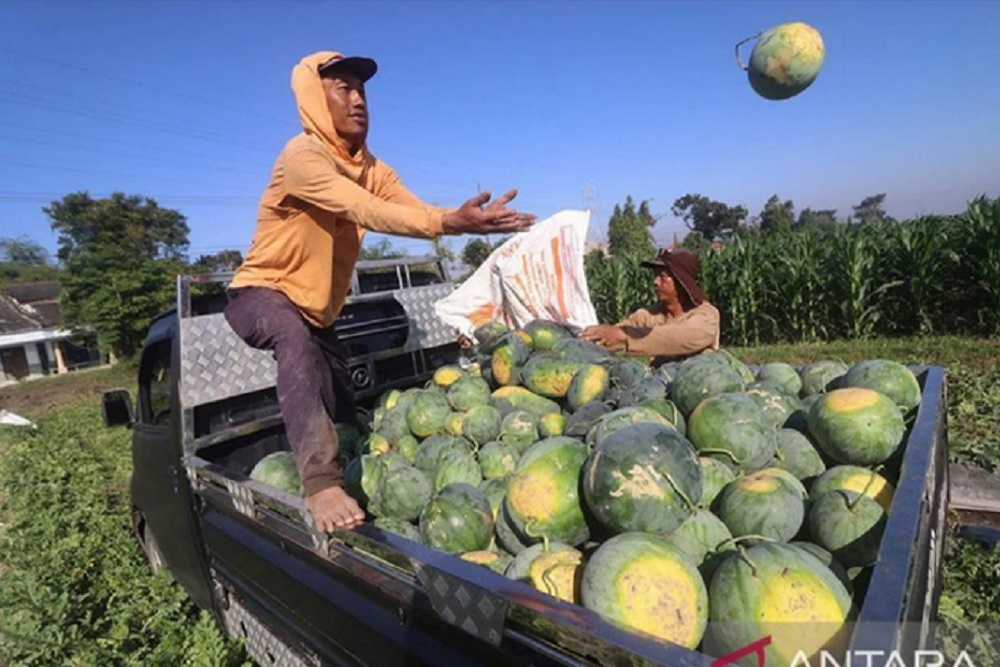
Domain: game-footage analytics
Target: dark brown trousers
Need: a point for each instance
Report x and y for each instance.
(314, 385)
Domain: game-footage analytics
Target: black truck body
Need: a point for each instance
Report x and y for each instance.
(206, 413)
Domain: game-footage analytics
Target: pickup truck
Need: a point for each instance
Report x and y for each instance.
(206, 412)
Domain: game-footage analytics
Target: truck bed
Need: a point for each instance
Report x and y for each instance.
(381, 599)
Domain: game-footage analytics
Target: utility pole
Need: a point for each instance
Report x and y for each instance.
(590, 197)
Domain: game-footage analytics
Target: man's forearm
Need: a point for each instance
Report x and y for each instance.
(666, 340)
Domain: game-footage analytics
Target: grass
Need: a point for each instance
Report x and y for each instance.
(79, 592)
(74, 585)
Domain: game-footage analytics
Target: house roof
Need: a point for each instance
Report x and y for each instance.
(32, 292)
(37, 301)
(47, 314)
(14, 319)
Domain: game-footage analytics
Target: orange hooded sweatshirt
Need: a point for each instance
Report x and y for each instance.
(317, 206)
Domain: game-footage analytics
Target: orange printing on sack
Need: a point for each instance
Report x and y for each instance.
(557, 261)
(482, 315)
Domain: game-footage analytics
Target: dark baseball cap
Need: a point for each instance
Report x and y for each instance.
(361, 67)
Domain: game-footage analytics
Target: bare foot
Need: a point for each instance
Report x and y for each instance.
(333, 508)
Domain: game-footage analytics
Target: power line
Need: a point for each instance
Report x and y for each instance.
(134, 123)
(119, 142)
(117, 108)
(147, 157)
(92, 172)
(188, 200)
(137, 84)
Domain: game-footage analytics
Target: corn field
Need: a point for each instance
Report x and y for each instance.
(926, 276)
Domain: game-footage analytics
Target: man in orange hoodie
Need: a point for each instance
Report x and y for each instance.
(325, 191)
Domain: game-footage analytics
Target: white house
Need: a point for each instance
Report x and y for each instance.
(33, 341)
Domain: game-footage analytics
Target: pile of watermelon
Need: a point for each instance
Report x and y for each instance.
(703, 503)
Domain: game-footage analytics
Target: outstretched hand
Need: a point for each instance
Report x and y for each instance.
(606, 335)
(476, 217)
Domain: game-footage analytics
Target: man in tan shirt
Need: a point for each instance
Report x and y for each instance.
(682, 323)
(326, 190)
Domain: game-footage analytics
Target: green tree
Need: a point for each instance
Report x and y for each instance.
(443, 249)
(476, 251)
(381, 249)
(628, 230)
(871, 210)
(708, 217)
(22, 250)
(219, 262)
(820, 218)
(121, 256)
(777, 216)
(24, 261)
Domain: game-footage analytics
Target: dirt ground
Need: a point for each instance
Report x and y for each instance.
(33, 397)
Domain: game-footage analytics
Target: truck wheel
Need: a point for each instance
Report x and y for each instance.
(152, 550)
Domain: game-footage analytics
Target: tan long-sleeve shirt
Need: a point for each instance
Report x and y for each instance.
(317, 206)
(652, 332)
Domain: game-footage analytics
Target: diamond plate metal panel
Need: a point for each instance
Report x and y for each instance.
(242, 498)
(217, 364)
(426, 328)
(465, 606)
(262, 645)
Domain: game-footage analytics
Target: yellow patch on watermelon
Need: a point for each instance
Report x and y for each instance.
(453, 423)
(799, 612)
(557, 573)
(552, 424)
(447, 375)
(502, 366)
(378, 444)
(656, 595)
(594, 382)
(881, 491)
(640, 482)
(555, 383)
(759, 483)
(481, 557)
(526, 337)
(851, 399)
(533, 495)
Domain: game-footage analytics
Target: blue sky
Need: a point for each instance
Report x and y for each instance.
(577, 104)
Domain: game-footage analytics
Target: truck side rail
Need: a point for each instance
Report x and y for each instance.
(905, 587)
(408, 580)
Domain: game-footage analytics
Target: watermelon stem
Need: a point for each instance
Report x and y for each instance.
(551, 587)
(529, 530)
(864, 492)
(728, 453)
(735, 541)
(677, 489)
(741, 43)
(743, 555)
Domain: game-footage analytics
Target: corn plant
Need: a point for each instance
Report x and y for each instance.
(982, 229)
(920, 255)
(929, 275)
(799, 284)
(618, 287)
(858, 278)
(739, 273)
